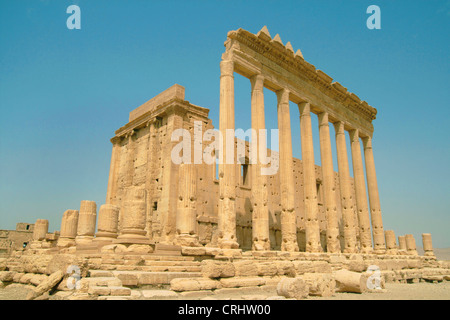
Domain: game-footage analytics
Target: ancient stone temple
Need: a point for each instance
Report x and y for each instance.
(191, 206)
(300, 207)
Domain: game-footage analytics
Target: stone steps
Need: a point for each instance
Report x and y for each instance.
(150, 268)
(142, 278)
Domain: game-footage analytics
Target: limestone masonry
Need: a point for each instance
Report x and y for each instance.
(202, 229)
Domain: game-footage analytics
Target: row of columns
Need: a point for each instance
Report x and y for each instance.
(227, 178)
(78, 226)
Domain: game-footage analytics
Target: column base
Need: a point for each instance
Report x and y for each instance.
(187, 240)
(392, 252)
(379, 251)
(261, 245)
(84, 240)
(228, 244)
(66, 242)
(289, 245)
(102, 241)
(130, 236)
(366, 250)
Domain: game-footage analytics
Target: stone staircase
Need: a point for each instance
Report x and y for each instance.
(147, 270)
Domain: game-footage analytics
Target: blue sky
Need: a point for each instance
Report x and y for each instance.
(64, 92)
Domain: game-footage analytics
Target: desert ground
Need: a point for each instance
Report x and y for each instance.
(393, 291)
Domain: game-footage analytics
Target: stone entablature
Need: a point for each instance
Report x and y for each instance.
(283, 69)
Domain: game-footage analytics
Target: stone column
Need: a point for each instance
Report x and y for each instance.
(113, 171)
(411, 245)
(150, 179)
(260, 213)
(402, 243)
(69, 225)
(227, 169)
(288, 218)
(108, 221)
(374, 198)
(346, 192)
(187, 230)
(329, 186)
(127, 169)
(86, 222)
(133, 217)
(167, 206)
(427, 244)
(361, 195)
(40, 229)
(391, 243)
(309, 181)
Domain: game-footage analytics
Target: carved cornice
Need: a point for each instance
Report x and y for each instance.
(175, 105)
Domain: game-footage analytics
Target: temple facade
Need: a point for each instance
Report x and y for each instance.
(302, 207)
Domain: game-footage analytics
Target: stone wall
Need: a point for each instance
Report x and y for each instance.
(15, 239)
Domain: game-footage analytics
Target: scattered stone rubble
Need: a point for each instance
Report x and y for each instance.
(118, 272)
(178, 232)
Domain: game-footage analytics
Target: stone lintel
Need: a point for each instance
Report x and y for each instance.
(282, 69)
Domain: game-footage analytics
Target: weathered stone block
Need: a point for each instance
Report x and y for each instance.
(185, 285)
(320, 284)
(293, 288)
(242, 282)
(217, 269)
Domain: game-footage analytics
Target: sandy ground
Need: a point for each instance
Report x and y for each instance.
(394, 291)
(400, 291)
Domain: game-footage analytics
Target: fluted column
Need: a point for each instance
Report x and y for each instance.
(329, 185)
(309, 180)
(150, 175)
(69, 225)
(113, 171)
(374, 198)
(260, 213)
(360, 192)
(187, 233)
(134, 217)
(227, 173)
(346, 192)
(128, 172)
(288, 218)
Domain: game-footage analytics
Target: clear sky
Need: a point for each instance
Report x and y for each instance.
(64, 92)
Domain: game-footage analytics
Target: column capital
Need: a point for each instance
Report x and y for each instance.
(227, 68)
(367, 142)
(283, 95)
(354, 135)
(339, 127)
(257, 82)
(304, 108)
(323, 119)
